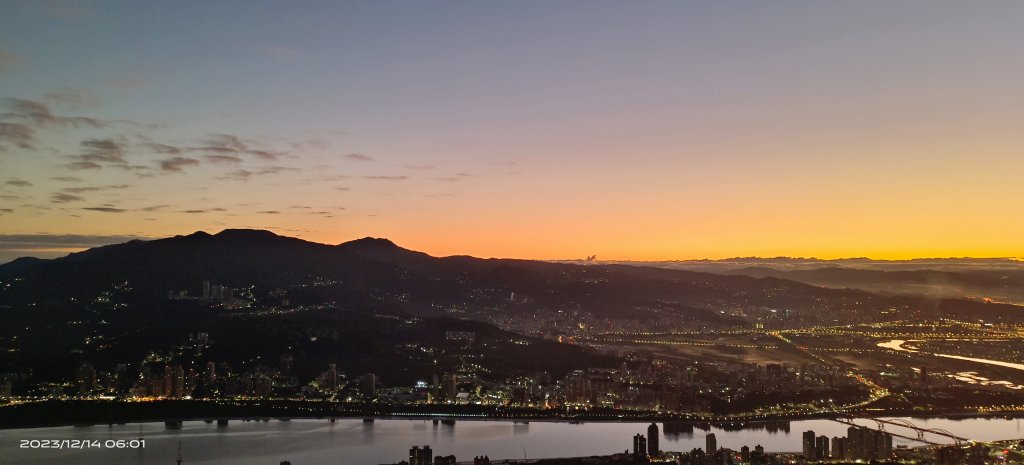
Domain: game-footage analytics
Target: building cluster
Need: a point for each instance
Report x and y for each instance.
(424, 456)
(859, 444)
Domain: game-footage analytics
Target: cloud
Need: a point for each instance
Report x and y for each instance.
(269, 212)
(222, 159)
(79, 190)
(18, 183)
(244, 175)
(358, 157)
(127, 83)
(310, 144)
(99, 152)
(67, 178)
(105, 209)
(18, 134)
(455, 178)
(177, 163)
(264, 154)
(9, 60)
(83, 165)
(61, 197)
(154, 208)
(102, 151)
(227, 140)
(230, 145)
(73, 98)
(50, 245)
(208, 210)
(39, 114)
(342, 188)
(386, 178)
(6, 210)
(162, 148)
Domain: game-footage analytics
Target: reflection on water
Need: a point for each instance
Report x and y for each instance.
(388, 441)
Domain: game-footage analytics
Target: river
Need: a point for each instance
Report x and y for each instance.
(897, 344)
(318, 442)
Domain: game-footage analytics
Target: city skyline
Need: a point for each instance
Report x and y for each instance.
(634, 132)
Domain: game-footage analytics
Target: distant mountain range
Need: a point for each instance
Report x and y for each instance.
(999, 279)
(378, 272)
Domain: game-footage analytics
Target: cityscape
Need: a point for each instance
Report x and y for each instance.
(554, 233)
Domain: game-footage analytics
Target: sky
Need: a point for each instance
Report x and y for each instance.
(647, 130)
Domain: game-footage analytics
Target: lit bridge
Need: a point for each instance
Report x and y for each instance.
(920, 431)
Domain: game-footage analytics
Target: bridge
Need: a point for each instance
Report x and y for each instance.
(921, 431)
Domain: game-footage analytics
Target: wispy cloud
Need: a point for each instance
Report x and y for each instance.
(18, 183)
(67, 178)
(358, 157)
(38, 113)
(61, 197)
(162, 148)
(386, 178)
(222, 159)
(177, 163)
(18, 134)
(9, 60)
(105, 209)
(83, 189)
(244, 174)
(50, 245)
(231, 145)
(456, 177)
(73, 99)
(102, 151)
(83, 165)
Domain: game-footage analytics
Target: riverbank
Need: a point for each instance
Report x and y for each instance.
(50, 413)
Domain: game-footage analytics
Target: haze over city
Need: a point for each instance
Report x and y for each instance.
(634, 131)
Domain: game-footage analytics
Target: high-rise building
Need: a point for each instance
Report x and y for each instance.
(821, 448)
(868, 445)
(883, 445)
(639, 445)
(420, 456)
(368, 385)
(838, 447)
(332, 376)
(652, 439)
(711, 443)
(809, 446)
(745, 454)
(854, 444)
(450, 383)
(85, 379)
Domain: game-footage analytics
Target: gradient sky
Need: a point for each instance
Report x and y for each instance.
(630, 130)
